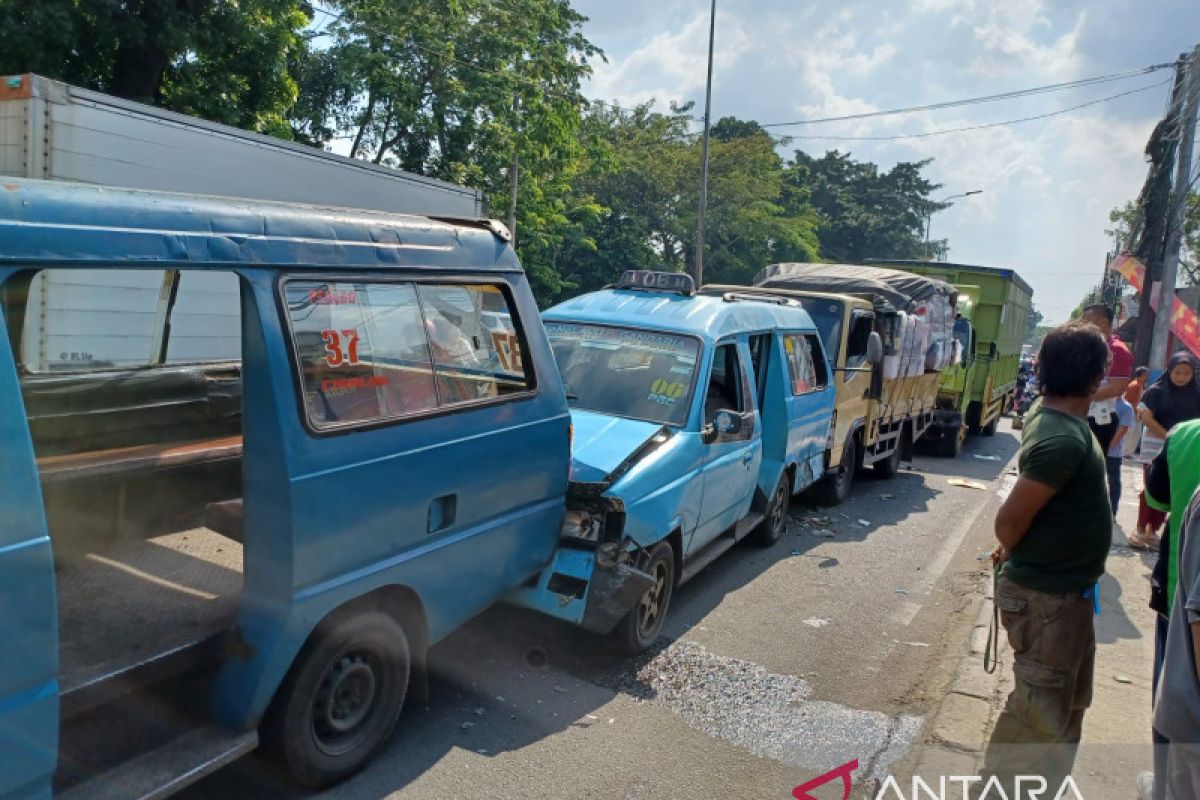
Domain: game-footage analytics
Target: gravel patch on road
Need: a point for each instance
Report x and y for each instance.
(772, 716)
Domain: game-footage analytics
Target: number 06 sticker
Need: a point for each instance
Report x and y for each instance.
(665, 388)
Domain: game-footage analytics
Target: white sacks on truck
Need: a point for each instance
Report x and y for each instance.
(934, 334)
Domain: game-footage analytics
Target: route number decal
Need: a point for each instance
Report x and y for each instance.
(508, 351)
(334, 354)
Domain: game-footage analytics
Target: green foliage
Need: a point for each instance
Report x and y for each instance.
(225, 61)
(486, 93)
(866, 213)
(1032, 324)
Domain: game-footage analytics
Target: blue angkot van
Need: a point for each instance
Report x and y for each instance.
(696, 419)
(257, 458)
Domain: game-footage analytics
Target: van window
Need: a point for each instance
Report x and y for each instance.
(81, 320)
(376, 351)
(805, 364)
(726, 383)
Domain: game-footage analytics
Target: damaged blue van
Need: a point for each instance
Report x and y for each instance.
(696, 419)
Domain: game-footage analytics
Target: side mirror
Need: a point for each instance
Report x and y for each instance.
(724, 423)
(874, 349)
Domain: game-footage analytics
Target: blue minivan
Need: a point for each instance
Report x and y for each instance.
(256, 459)
(696, 419)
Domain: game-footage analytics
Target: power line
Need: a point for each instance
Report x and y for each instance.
(984, 125)
(991, 98)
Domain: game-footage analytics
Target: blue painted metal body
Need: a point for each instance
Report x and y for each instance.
(684, 485)
(328, 518)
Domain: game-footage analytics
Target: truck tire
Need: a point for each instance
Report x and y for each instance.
(951, 443)
(888, 467)
(832, 490)
(637, 631)
(340, 700)
(990, 428)
(771, 528)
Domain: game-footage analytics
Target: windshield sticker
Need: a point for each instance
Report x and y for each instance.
(335, 387)
(649, 340)
(678, 370)
(665, 392)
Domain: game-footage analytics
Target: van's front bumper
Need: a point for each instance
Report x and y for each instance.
(574, 589)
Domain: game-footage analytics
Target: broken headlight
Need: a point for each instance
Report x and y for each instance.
(582, 526)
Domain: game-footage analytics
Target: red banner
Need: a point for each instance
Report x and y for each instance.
(1184, 322)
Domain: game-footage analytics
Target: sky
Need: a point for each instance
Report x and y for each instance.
(1047, 185)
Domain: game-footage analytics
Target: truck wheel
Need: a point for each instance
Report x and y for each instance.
(952, 442)
(832, 490)
(340, 700)
(990, 428)
(640, 627)
(771, 528)
(888, 467)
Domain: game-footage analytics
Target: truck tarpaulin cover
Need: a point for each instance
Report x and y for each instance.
(902, 289)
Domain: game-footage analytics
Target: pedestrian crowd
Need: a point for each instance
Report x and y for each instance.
(1054, 532)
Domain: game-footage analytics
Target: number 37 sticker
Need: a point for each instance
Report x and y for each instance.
(337, 354)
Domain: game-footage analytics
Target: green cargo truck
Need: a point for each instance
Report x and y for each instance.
(993, 306)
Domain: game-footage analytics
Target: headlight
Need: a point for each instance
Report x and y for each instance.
(582, 526)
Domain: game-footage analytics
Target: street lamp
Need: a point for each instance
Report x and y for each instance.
(698, 265)
(929, 216)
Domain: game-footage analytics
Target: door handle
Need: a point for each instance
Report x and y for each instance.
(442, 511)
(748, 456)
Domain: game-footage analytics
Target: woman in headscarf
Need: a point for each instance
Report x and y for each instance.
(1173, 398)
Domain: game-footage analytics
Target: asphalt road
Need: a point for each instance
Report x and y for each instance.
(775, 667)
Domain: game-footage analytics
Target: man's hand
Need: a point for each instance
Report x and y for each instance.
(999, 555)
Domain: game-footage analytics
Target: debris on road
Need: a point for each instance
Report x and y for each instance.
(560, 690)
(816, 622)
(917, 644)
(887, 497)
(967, 484)
(866, 523)
(903, 591)
(982, 457)
(479, 711)
(824, 533)
(1122, 679)
(467, 725)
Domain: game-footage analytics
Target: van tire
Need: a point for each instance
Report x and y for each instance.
(775, 522)
(832, 490)
(639, 629)
(318, 724)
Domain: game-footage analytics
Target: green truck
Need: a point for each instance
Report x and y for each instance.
(993, 307)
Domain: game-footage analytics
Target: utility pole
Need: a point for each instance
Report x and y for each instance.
(1178, 208)
(698, 266)
(1155, 204)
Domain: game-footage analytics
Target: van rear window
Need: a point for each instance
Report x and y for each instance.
(377, 351)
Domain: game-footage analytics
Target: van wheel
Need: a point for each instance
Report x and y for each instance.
(340, 701)
(832, 490)
(641, 626)
(771, 528)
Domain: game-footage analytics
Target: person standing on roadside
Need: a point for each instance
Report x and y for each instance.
(1116, 451)
(1173, 478)
(1133, 396)
(1054, 530)
(1170, 400)
(1102, 412)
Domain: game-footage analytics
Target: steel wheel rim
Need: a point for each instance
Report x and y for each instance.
(345, 702)
(777, 510)
(650, 607)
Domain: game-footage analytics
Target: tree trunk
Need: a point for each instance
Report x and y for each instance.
(384, 143)
(368, 116)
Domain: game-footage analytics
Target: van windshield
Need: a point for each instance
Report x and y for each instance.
(626, 372)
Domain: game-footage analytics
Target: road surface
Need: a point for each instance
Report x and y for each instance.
(776, 666)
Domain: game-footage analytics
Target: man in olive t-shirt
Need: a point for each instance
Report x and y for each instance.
(1054, 530)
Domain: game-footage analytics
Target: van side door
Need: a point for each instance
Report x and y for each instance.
(809, 402)
(436, 441)
(28, 611)
(731, 461)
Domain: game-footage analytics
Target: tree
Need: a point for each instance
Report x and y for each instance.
(481, 92)
(1032, 324)
(1126, 218)
(866, 213)
(228, 62)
